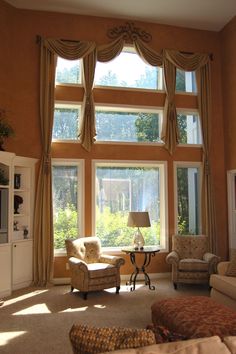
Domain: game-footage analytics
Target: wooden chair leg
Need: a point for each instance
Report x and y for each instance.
(71, 288)
(117, 289)
(175, 286)
(85, 296)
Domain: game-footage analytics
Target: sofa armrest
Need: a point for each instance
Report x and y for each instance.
(77, 264)
(212, 260)
(114, 260)
(172, 258)
(222, 267)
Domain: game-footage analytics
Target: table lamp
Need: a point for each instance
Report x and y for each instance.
(138, 219)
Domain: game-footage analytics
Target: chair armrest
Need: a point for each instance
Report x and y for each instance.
(211, 258)
(172, 258)
(114, 260)
(222, 267)
(77, 264)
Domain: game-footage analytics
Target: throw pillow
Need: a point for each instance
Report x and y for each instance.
(91, 340)
(164, 335)
(231, 270)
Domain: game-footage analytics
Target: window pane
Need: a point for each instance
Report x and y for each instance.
(189, 129)
(188, 200)
(123, 189)
(66, 122)
(127, 126)
(65, 204)
(185, 81)
(68, 71)
(128, 70)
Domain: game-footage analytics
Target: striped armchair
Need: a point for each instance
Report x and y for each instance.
(191, 262)
(90, 269)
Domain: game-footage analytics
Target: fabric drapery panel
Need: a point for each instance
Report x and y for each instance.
(109, 51)
(88, 130)
(169, 132)
(204, 102)
(43, 227)
(70, 50)
(43, 219)
(148, 54)
(187, 61)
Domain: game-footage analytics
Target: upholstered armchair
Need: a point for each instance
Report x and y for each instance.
(90, 269)
(191, 262)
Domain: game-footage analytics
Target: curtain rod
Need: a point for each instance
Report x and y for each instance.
(210, 54)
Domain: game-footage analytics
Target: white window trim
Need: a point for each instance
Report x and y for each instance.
(185, 164)
(187, 111)
(164, 239)
(131, 108)
(131, 49)
(80, 197)
(68, 104)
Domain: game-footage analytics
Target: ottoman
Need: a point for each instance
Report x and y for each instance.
(194, 317)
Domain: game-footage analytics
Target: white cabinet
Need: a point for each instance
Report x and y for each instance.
(16, 221)
(22, 264)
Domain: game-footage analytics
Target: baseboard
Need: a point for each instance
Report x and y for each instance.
(153, 276)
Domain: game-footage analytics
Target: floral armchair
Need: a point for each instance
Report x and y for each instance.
(90, 269)
(191, 262)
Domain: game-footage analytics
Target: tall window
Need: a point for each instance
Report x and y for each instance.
(189, 128)
(128, 70)
(187, 191)
(185, 81)
(128, 124)
(68, 71)
(67, 185)
(66, 121)
(123, 187)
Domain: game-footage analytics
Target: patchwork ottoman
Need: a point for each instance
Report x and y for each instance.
(194, 317)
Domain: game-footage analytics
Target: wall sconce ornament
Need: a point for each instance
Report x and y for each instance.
(129, 32)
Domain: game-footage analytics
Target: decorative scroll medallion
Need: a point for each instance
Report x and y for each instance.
(129, 32)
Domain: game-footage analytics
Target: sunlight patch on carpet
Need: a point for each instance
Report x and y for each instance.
(78, 309)
(5, 337)
(32, 310)
(23, 297)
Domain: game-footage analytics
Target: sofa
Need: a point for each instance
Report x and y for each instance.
(223, 286)
(191, 346)
(87, 339)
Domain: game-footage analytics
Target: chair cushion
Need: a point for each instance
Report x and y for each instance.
(99, 270)
(231, 270)
(191, 264)
(90, 340)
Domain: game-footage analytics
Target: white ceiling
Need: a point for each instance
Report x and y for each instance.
(200, 14)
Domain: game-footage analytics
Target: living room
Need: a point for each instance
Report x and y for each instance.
(20, 96)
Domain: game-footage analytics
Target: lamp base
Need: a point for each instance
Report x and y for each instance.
(138, 240)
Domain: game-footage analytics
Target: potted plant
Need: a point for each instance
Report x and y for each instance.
(5, 128)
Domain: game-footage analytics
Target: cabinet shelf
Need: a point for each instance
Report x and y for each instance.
(4, 186)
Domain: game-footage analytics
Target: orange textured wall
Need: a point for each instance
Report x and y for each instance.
(228, 40)
(19, 95)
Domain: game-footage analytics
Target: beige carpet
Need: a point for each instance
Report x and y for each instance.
(38, 320)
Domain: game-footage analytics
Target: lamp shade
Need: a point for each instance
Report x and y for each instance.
(138, 219)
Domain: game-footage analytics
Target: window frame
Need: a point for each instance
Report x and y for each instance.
(72, 84)
(131, 108)
(80, 163)
(187, 164)
(192, 111)
(162, 165)
(68, 104)
(160, 75)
